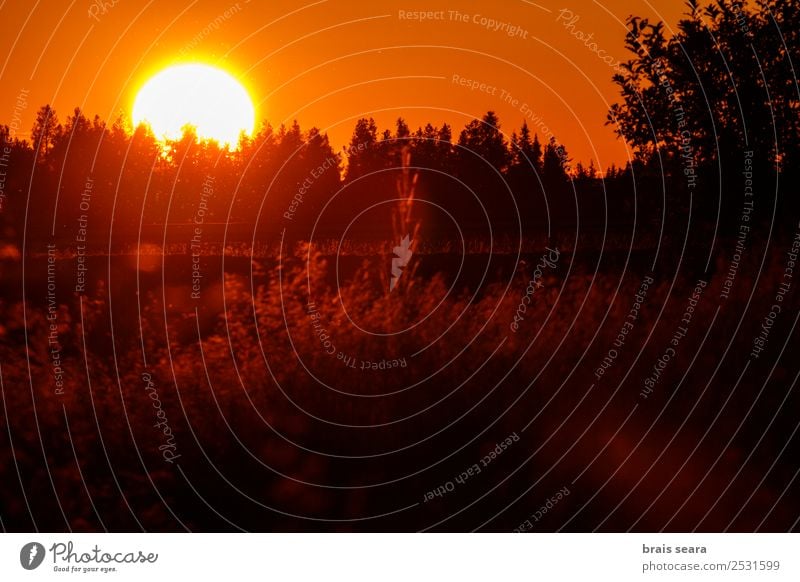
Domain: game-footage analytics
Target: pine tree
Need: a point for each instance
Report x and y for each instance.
(361, 153)
(555, 165)
(484, 139)
(45, 131)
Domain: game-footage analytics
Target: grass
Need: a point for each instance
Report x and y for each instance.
(269, 426)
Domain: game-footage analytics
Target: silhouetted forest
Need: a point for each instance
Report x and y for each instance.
(284, 178)
(691, 108)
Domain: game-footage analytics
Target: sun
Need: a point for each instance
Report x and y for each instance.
(209, 99)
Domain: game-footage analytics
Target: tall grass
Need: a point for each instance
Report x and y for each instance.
(262, 412)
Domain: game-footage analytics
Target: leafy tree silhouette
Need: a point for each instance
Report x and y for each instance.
(723, 83)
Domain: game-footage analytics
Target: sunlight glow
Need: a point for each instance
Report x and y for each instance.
(209, 99)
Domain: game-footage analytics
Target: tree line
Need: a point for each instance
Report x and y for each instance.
(694, 107)
(140, 183)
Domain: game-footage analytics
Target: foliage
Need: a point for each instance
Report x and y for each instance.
(725, 81)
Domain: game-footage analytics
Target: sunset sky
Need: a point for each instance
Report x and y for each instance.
(327, 63)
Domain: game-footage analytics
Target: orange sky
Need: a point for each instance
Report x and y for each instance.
(326, 63)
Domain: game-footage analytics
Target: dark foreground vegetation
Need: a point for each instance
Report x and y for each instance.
(202, 339)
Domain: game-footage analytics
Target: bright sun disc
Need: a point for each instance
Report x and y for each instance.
(203, 96)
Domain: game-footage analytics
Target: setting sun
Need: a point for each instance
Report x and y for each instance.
(205, 97)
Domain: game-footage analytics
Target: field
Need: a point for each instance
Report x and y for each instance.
(496, 388)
